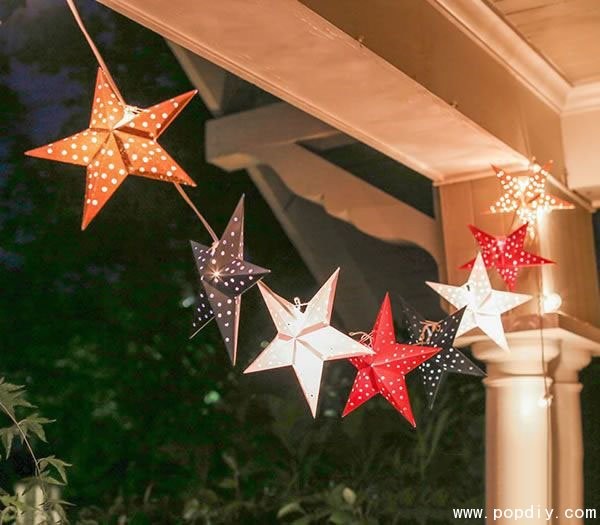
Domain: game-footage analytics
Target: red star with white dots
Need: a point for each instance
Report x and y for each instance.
(505, 253)
(384, 372)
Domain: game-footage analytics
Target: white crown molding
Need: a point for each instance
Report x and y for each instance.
(584, 97)
(487, 29)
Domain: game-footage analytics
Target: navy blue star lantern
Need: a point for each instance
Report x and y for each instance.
(440, 335)
(224, 277)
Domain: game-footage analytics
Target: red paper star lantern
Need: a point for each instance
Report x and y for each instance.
(120, 141)
(384, 372)
(505, 254)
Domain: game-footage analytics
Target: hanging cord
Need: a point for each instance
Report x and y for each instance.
(547, 399)
(365, 338)
(113, 84)
(95, 50)
(427, 330)
(298, 304)
(204, 222)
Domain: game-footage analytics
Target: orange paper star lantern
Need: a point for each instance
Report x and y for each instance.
(120, 141)
(525, 194)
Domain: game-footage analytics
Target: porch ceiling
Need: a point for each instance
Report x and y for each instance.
(565, 32)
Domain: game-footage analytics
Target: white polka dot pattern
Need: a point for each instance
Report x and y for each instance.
(305, 339)
(119, 142)
(385, 371)
(506, 254)
(484, 306)
(525, 194)
(449, 359)
(104, 175)
(224, 277)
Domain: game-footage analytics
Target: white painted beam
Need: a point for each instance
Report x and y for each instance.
(290, 51)
(230, 139)
(350, 199)
(269, 135)
(208, 78)
(320, 245)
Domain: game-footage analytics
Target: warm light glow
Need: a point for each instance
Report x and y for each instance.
(535, 167)
(525, 195)
(484, 305)
(551, 302)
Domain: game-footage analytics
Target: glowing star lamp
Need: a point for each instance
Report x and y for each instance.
(384, 372)
(484, 306)
(525, 195)
(305, 339)
(505, 254)
(224, 277)
(120, 141)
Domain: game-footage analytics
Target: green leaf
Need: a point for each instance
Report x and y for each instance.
(7, 435)
(304, 520)
(44, 477)
(228, 483)
(230, 461)
(58, 464)
(33, 424)
(290, 508)
(11, 397)
(349, 496)
(191, 510)
(208, 497)
(340, 517)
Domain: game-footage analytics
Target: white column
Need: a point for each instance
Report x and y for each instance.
(567, 434)
(518, 432)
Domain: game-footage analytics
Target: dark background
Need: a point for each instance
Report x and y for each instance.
(158, 428)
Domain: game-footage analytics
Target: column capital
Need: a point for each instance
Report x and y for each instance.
(565, 369)
(568, 346)
(525, 357)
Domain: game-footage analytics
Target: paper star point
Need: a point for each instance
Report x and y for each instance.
(305, 339)
(224, 277)
(439, 335)
(505, 253)
(484, 305)
(120, 141)
(384, 372)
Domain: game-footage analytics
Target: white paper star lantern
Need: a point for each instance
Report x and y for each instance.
(484, 305)
(305, 339)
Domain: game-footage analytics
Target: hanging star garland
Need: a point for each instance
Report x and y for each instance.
(305, 339)
(505, 253)
(384, 372)
(224, 277)
(120, 141)
(484, 305)
(525, 194)
(438, 335)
